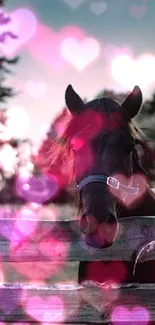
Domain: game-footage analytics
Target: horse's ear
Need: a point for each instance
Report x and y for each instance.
(73, 101)
(133, 102)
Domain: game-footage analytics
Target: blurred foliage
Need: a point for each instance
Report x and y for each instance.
(145, 120)
(6, 92)
(2, 2)
(118, 97)
(4, 20)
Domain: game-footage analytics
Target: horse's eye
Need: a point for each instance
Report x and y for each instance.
(73, 149)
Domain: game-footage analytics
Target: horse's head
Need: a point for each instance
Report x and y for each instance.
(103, 147)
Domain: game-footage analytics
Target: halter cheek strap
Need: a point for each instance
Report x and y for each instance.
(110, 181)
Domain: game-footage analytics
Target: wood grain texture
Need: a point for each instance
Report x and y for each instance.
(62, 241)
(52, 241)
(89, 302)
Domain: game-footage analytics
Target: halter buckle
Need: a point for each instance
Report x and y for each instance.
(113, 182)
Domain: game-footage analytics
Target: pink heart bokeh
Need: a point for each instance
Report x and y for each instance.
(112, 50)
(45, 45)
(36, 189)
(138, 11)
(24, 25)
(109, 272)
(80, 54)
(12, 233)
(121, 315)
(37, 272)
(137, 181)
(140, 71)
(98, 7)
(36, 88)
(23, 224)
(45, 310)
(52, 245)
(54, 248)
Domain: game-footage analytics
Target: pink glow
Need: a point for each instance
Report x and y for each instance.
(36, 188)
(80, 54)
(112, 50)
(45, 310)
(45, 46)
(23, 24)
(23, 225)
(121, 314)
(54, 248)
(112, 272)
(139, 71)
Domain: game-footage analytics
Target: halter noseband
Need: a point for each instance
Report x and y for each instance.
(110, 181)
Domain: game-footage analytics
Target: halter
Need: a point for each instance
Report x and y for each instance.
(110, 181)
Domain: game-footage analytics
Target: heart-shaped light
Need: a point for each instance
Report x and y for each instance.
(134, 181)
(128, 71)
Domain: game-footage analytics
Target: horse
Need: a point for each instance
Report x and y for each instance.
(98, 143)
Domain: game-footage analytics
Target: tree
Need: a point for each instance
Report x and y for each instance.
(5, 92)
(8, 145)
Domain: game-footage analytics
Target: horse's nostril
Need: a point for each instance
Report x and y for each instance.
(96, 243)
(103, 237)
(93, 240)
(88, 224)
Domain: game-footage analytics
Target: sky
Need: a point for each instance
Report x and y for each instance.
(92, 45)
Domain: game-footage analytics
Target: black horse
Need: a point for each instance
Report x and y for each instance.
(115, 153)
(101, 140)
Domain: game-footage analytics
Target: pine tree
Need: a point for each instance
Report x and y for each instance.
(5, 92)
(6, 180)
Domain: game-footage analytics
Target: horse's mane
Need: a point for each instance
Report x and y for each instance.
(145, 151)
(55, 154)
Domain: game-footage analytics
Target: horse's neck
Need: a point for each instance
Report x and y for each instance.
(146, 206)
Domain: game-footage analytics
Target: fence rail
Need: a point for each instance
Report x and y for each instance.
(57, 241)
(32, 240)
(86, 303)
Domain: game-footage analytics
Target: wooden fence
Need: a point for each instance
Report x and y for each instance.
(59, 242)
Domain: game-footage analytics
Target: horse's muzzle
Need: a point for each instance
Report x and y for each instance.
(100, 235)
